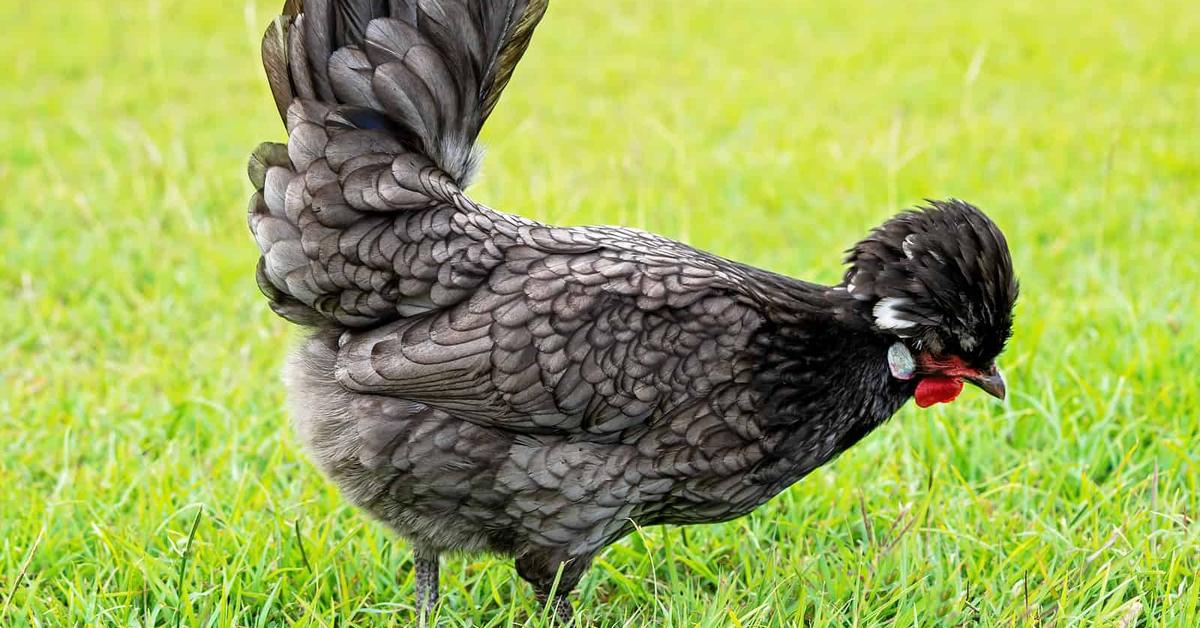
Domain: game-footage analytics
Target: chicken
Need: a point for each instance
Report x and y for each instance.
(481, 382)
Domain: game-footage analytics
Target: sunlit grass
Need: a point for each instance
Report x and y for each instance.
(140, 365)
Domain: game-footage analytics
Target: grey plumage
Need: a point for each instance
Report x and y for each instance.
(482, 382)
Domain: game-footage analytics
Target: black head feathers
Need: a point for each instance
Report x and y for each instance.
(940, 275)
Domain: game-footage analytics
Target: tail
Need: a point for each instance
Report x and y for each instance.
(383, 102)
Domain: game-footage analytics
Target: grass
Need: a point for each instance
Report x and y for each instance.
(149, 474)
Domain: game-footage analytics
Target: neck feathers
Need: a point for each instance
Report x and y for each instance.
(825, 385)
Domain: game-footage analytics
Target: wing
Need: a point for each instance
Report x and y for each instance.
(383, 102)
(363, 224)
(582, 331)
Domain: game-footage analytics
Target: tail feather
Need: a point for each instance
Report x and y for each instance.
(435, 68)
(383, 101)
(275, 63)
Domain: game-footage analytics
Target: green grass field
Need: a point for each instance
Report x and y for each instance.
(149, 474)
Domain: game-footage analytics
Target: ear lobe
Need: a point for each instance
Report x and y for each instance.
(900, 362)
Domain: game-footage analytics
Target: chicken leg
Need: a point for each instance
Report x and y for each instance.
(425, 584)
(552, 573)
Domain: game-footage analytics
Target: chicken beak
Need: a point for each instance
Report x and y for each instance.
(990, 382)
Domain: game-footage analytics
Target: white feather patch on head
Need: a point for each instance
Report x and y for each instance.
(851, 288)
(888, 315)
(907, 245)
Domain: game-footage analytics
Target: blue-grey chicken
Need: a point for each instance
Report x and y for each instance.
(480, 382)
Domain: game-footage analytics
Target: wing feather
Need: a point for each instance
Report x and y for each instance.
(521, 356)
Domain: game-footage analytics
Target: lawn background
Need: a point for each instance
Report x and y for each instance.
(140, 365)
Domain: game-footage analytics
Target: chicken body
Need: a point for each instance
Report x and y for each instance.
(481, 382)
(574, 394)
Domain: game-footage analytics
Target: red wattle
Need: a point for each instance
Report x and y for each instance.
(931, 390)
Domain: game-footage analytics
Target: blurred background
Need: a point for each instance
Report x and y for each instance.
(150, 475)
